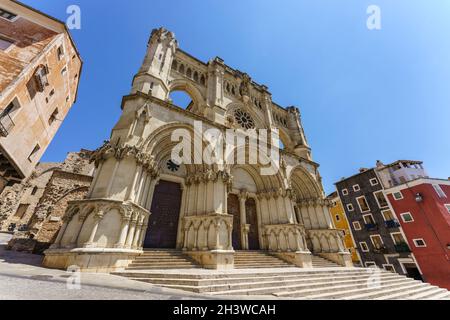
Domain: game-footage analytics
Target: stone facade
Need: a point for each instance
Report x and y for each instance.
(140, 198)
(37, 205)
(39, 74)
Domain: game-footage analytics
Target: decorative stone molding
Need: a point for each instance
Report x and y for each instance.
(327, 241)
(285, 237)
(207, 232)
(84, 217)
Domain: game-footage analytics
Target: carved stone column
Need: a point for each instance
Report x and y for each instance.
(243, 215)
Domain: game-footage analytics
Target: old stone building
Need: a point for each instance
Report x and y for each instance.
(39, 74)
(142, 198)
(34, 208)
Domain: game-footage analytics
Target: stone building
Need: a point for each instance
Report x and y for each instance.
(39, 74)
(142, 198)
(34, 208)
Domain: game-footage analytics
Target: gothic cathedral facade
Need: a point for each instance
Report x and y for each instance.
(140, 198)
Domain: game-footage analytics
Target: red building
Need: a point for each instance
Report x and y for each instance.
(422, 207)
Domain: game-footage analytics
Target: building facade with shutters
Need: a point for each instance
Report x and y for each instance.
(142, 198)
(377, 233)
(423, 208)
(39, 74)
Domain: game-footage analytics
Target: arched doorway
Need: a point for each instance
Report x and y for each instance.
(165, 213)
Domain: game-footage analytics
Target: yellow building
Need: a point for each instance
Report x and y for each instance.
(340, 222)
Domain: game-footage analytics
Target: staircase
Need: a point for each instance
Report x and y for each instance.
(257, 259)
(319, 262)
(162, 259)
(295, 283)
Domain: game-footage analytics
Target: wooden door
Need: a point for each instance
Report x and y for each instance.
(233, 209)
(252, 220)
(163, 222)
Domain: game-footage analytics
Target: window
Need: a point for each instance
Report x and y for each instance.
(397, 195)
(370, 264)
(33, 153)
(377, 241)
(6, 117)
(33, 192)
(397, 237)
(10, 108)
(64, 71)
(407, 217)
(41, 77)
(439, 191)
(381, 199)
(5, 43)
(419, 243)
(373, 181)
(387, 215)
(7, 15)
(368, 219)
(362, 203)
(338, 218)
(60, 52)
(350, 207)
(53, 117)
(344, 192)
(447, 206)
(21, 210)
(364, 247)
(389, 267)
(356, 225)
(356, 187)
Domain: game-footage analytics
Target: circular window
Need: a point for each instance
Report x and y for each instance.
(244, 119)
(172, 166)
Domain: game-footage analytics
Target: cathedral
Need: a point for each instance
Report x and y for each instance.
(141, 199)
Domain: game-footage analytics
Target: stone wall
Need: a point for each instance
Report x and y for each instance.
(45, 196)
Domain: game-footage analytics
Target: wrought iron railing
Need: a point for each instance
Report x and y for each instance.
(6, 124)
(402, 247)
(371, 226)
(392, 223)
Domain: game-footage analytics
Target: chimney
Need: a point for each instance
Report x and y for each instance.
(380, 164)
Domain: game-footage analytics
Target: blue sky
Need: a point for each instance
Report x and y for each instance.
(364, 95)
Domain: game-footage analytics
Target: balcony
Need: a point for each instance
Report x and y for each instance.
(402, 247)
(381, 249)
(6, 124)
(371, 226)
(391, 223)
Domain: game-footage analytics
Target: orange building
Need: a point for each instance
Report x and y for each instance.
(340, 222)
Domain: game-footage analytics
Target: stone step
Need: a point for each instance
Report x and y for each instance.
(335, 290)
(255, 276)
(380, 292)
(292, 290)
(214, 286)
(162, 267)
(440, 296)
(311, 272)
(163, 261)
(424, 291)
(364, 293)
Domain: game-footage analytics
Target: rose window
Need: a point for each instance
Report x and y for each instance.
(244, 119)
